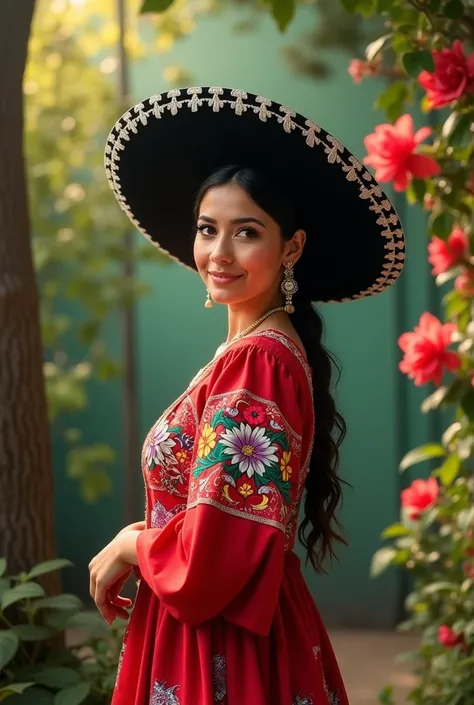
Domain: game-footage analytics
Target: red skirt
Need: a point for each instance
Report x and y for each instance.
(166, 662)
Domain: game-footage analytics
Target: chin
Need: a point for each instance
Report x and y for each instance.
(224, 299)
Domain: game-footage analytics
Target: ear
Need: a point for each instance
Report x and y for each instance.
(294, 247)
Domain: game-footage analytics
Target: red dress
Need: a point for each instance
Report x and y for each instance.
(222, 613)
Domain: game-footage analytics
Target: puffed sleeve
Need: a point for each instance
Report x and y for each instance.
(224, 554)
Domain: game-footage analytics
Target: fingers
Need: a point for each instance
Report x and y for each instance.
(136, 526)
(119, 601)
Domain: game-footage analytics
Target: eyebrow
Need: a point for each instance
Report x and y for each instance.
(235, 221)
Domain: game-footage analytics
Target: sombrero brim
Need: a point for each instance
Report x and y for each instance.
(162, 149)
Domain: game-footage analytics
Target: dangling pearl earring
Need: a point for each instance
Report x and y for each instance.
(208, 303)
(289, 287)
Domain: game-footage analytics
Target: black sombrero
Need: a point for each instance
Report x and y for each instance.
(162, 149)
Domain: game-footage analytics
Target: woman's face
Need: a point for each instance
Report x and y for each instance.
(238, 249)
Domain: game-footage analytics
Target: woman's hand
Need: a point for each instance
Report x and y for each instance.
(110, 570)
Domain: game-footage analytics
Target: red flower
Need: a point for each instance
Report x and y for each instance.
(468, 568)
(453, 76)
(255, 415)
(448, 638)
(465, 284)
(391, 151)
(420, 496)
(444, 255)
(426, 351)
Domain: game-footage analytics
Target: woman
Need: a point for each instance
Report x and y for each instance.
(222, 613)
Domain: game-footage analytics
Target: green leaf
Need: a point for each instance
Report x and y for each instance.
(376, 46)
(453, 9)
(57, 677)
(49, 567)
(467, 404)
(13, 689)
(392, 100)
(283, 11)
(416, 191)
(418, 455)
(60, 602)
(58, 619)
(4, 586)
(9, 643)
(280, 438)
(366, 7)
(434, 5)
(90, 622)
(32, 632)
(74, 695)
(416, 61)
(157, 6)
(394, 531)
(34, 696)
(449, 470)
(381, 560)
(401, 44)
(350, 5)
(3, 566)
(395, 93)
(461, 130)
(27, 591)
(385, 697)
(383, 5)
(441, 224)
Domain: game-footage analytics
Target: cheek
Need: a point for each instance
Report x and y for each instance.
(261, 262)
(200, 255)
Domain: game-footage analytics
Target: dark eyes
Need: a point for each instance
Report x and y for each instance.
(209, 231)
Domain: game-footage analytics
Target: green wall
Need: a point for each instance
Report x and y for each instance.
(176, 334)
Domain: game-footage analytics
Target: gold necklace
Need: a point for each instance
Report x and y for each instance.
(248, 330)
(223, 346)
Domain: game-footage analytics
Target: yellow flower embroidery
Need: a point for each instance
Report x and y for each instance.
(207, 441)
(285, 465)
(181, 456)
(245, 490)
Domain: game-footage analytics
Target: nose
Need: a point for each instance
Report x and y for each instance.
(222, 250)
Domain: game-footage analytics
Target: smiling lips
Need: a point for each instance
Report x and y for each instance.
(223, 278)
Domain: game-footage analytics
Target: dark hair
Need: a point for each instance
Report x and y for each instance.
(323, 486)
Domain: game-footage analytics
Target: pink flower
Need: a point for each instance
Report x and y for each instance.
(420, 496)
(453, 76)
(426, 352)
(255, 415)
(428, 202)
(359, 69)
(446, 254)
(391, 151)
(465, 284)
(447, 637)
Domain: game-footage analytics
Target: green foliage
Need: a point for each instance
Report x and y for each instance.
(78, 231)
(283, 11)
(434, 539)
(155, 6)
(36, 666)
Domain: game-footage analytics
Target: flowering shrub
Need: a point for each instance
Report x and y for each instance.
(427, 51)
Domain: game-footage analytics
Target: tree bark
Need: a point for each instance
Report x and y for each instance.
(26, 481)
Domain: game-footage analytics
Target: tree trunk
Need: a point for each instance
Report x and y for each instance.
(26, 482)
